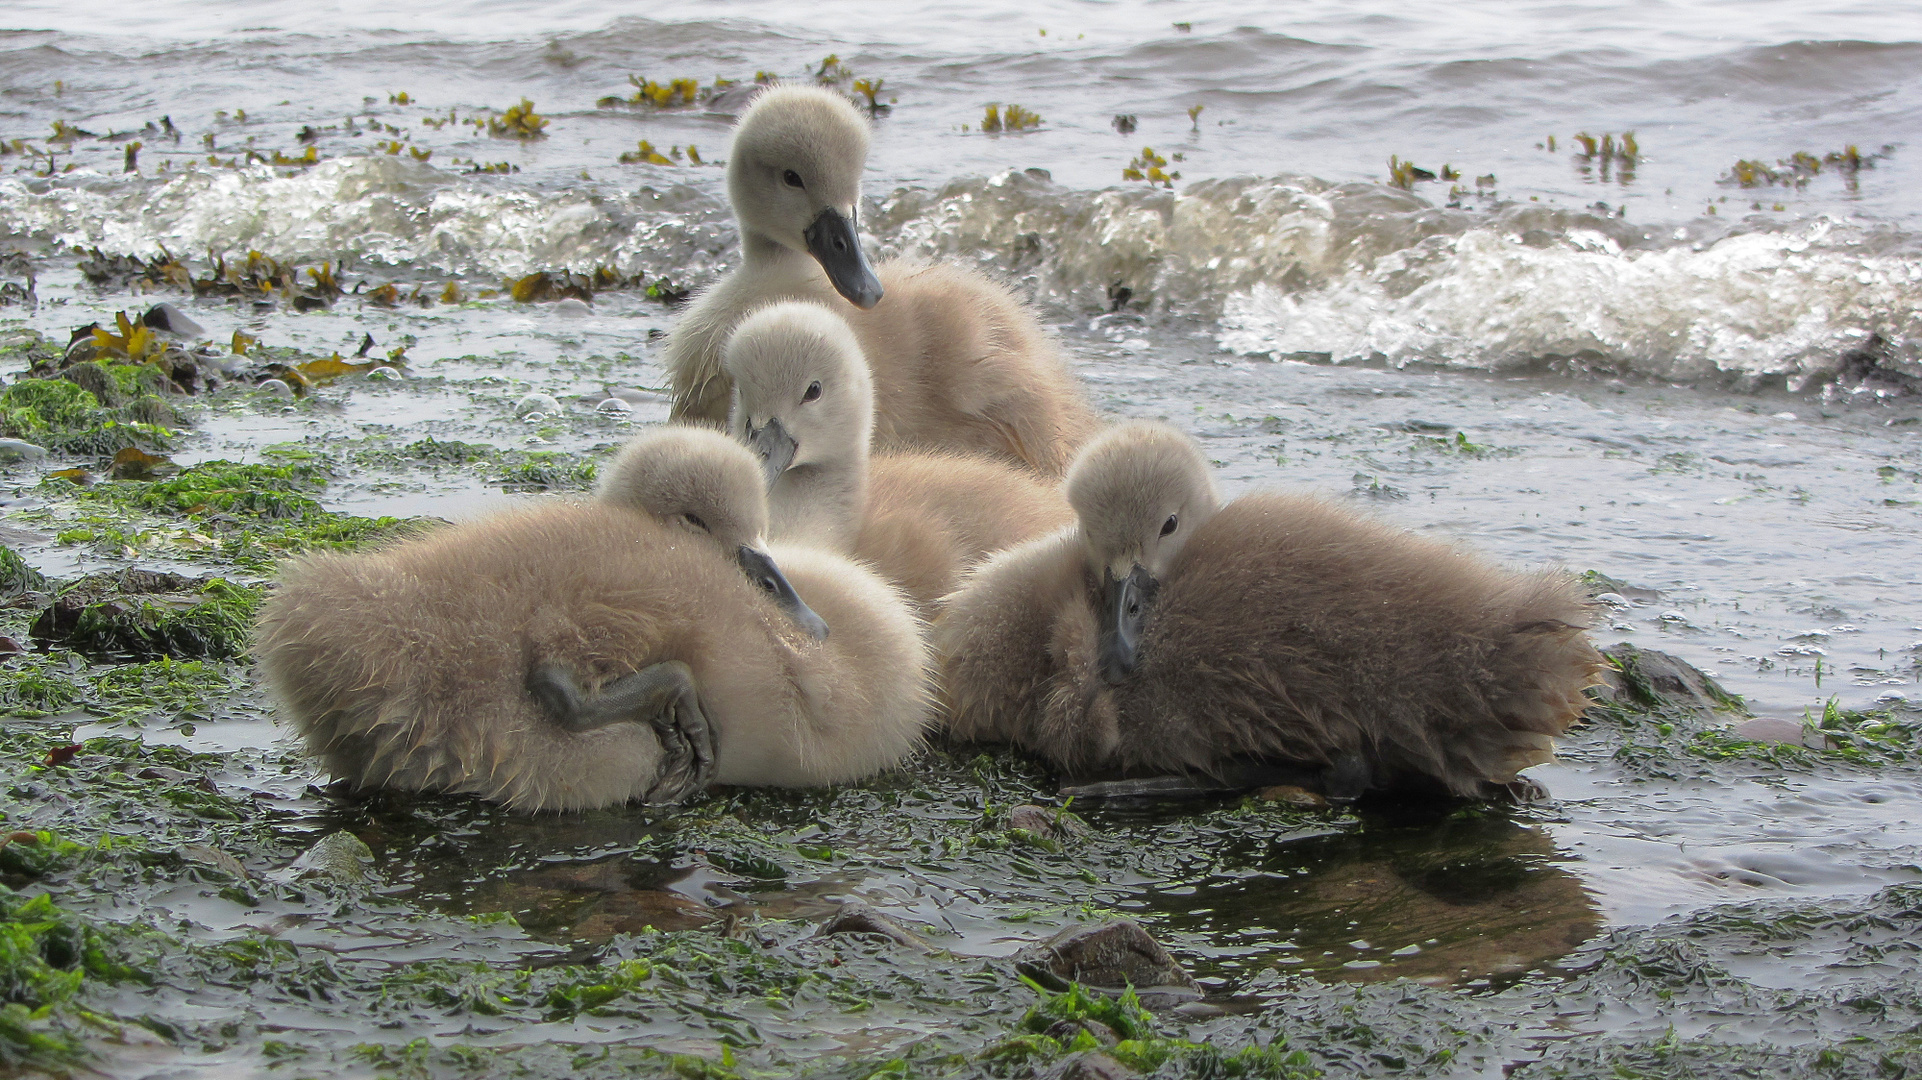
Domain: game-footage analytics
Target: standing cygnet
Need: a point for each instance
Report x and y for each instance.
(804, 402)
(958, 363)
(570, 656)
(1165, 633)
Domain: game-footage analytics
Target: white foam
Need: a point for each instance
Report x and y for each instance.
(1783, 304)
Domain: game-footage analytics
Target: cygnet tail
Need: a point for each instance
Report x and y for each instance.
(1545, 667)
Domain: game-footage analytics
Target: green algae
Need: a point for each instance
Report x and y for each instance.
(142, 615)
(16, 576)
(62, 416)
(243, 515)
(511, 469)
(47, 959)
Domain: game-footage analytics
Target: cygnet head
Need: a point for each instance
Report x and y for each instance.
(794, 177)
(803, 395)
(701, 481)
(1140, 490)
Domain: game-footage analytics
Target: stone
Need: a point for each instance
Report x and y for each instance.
(1646, 678)
(1113, 955)
(1045, 823)
(632, 910)
(855, 917)
(170, 319)
(1088, 1065)
(1770, 729)
(341, 856)
(12, 450)
(1293, 796)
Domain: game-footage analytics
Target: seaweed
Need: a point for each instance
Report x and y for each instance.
(220, 511)
(1013, 118)
(146, 615)
(1799, 168)
(518, 122)
(62, 416)
(1150, 166)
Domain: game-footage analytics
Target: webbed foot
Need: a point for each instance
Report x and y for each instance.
(662, 696)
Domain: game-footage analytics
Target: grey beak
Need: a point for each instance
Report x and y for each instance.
(760, 569)
(774, 446)
(1124, 609)
(835, 245)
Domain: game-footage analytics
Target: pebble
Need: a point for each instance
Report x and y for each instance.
(1293, 796)
(1043, 822)
(1771, 729)
(1089, 1065)
(20, 450)
(1112, 954)
(338, 855)
(855, 917)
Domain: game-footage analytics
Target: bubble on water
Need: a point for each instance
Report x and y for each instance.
(537, 407)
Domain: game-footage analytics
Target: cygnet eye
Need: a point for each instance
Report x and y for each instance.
(792, 179)
(1168, 526)
(813, 391)
(695, 520)
(768, 584)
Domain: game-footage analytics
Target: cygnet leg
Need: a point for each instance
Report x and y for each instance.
(662, 696)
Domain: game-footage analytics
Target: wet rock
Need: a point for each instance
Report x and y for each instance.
(1047, 824)
(178, 776)
(1646, 679)
(153, 410)
(8, 646)
(1113, 955)
(147, 614)
(1293, 796)
(634, 910)
(1873, 366)
(1067, 1031)
(1088, 1065)
(341, 856)
(855, 917)
(214, 857)
(134, 463)
(170, 319)
(1769, 729)
(96, 380)
(12, 450)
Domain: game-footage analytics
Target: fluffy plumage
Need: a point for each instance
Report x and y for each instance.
(409, 667)
(959, 364)
(1279, 627)
(804, 399)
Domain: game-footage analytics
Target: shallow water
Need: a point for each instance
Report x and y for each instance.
(1576, 364)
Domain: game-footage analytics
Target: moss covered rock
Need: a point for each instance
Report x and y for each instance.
(144, 614)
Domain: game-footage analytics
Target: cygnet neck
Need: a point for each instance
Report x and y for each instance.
(823, 504)
(764, 256)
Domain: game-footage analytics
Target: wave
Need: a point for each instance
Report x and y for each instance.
(1282, 266)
